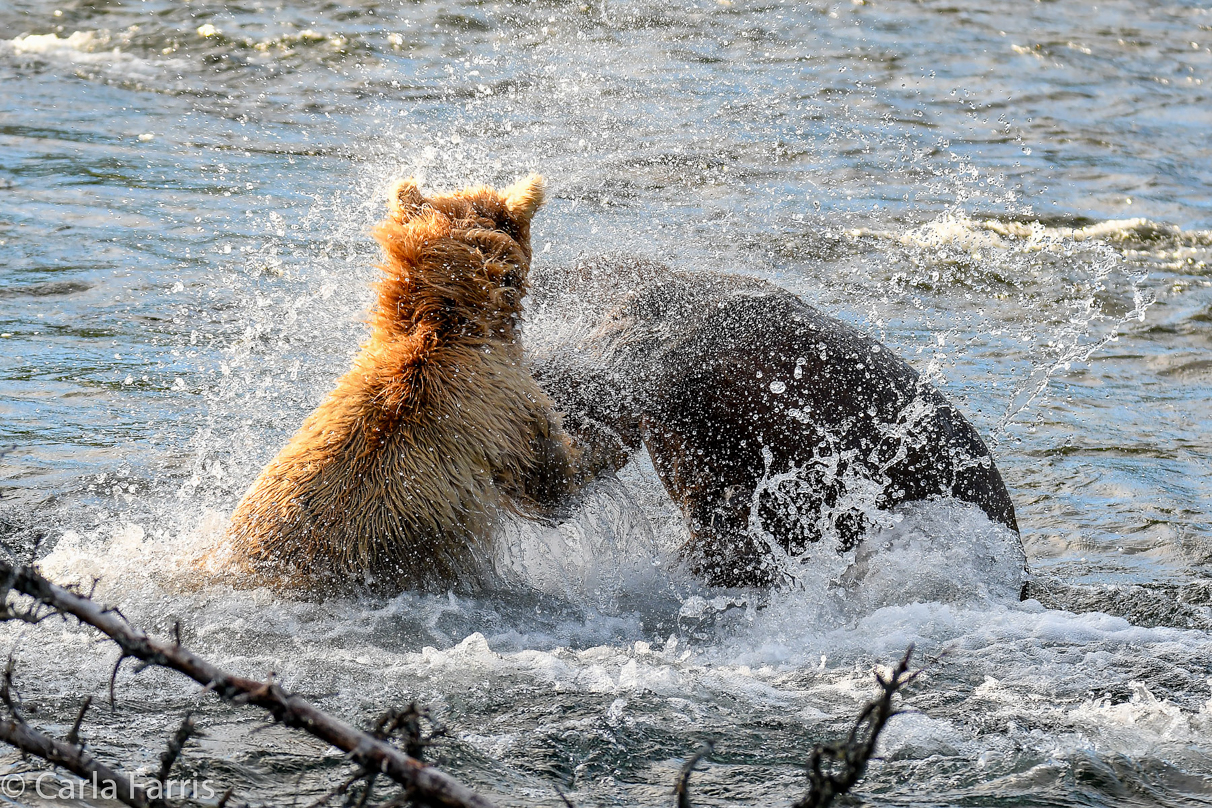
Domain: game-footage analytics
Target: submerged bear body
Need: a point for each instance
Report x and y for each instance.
(769, 423)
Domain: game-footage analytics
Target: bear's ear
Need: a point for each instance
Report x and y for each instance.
(524, 197)
(404, 200)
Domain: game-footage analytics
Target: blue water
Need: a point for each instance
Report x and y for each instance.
(1013, 196)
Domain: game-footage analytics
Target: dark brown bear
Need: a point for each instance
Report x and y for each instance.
(770, 424)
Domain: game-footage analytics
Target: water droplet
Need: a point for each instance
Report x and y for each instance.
(778, 387)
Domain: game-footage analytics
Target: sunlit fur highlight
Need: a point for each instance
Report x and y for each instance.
(397, 478)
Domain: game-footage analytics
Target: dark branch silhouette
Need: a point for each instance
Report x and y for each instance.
(73, 737)
(426, 785)
(681, 789)
(74, 759)
(176, 743)
(833, 769)
(69, 755)
(851, 756)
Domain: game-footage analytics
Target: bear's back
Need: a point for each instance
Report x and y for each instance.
(402, 495)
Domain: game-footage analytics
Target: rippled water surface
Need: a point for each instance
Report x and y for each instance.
(1013, 196)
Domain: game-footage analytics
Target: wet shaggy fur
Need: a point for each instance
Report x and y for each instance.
(397, 477)
(769, 423)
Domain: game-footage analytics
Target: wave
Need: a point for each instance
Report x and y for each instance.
(957, 230)
(85, 50)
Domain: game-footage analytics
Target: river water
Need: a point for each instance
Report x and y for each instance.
(1012, 196)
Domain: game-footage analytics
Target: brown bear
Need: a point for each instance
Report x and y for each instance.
(769, 423)
(397, 478)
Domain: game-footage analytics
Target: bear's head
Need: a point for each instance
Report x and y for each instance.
(456, 262)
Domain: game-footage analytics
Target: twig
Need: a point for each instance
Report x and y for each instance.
(8, 693)
(73, 758)
(427, 785)
(7, 612)
(73, 737)
(682, 788)
(370, 786)
(113, 678)
(858, 748)
(408, 722)
(36, 544)
(187, 730)
(341, 788)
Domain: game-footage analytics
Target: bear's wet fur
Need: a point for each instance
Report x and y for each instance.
(396, 480)
(731, 383)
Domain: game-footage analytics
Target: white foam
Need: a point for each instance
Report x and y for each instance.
(608, 546)
(957, 230)
(83, 49)
(946, 551)
(914, 736)
(1142, 723)
(940, 578)
(614, 618)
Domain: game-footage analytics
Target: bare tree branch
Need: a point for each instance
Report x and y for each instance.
(681, 788)
(113, 680)
(71, 755)
(9, 696)
(74, 759)
(407, 722)
(425, 784)
(853, 754)
(176, 743)
(366, 792)
(340, 788)
(73, 737)
(7, 612)
(833, 769)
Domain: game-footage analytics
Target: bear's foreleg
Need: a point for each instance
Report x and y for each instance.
(603, 424)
